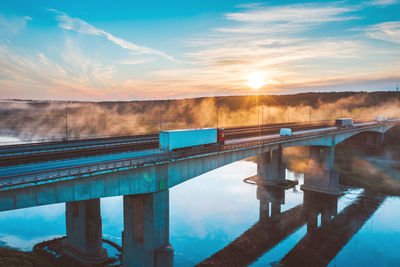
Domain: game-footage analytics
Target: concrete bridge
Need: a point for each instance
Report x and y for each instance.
(144, 177)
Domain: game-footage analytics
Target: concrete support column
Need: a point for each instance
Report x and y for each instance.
(380, 138)
(270, 168)
(374, 140)
(145, 239)
(84, 233)
(321, 175)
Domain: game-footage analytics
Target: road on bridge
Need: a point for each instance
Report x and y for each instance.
(29, 172)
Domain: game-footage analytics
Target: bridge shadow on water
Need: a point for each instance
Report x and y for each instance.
(322, 242)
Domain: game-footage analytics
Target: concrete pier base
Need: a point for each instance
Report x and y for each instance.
(321, 176)
(84, 233)
(145, 239)
(270, 169)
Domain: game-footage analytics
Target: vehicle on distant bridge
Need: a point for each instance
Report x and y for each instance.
(188, 138)
(286, 132)
(344, 123)
(381, 118)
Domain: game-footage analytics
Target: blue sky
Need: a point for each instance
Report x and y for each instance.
(125, 50)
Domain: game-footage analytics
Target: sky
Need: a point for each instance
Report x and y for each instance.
(134, 50)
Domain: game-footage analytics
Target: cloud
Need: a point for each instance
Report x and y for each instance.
(295, 18)
(299, 13)
(33, 75)
(12, 24)
(387, 31)
(272, 40)
(78, 25)
(382, 2)
(135, 61)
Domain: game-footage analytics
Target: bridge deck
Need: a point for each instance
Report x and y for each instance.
(34, 172)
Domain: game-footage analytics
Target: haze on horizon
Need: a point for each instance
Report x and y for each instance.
(102, 50)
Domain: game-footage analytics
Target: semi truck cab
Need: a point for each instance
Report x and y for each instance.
(220, 136)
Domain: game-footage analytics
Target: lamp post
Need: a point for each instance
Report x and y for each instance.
(161, 117)
(216, 103)
(66, 120)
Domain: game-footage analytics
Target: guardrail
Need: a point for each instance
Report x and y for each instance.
(15, 181)
(53, 146)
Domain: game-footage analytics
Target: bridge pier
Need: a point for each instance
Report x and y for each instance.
(270, 168)
(267, 195)
(145, 239)
(374, 140)
(84, 232)
(321, 175)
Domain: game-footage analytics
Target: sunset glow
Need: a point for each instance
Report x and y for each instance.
(256, 80)
(48, 51)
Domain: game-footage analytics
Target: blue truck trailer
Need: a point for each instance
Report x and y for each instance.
(179, 139)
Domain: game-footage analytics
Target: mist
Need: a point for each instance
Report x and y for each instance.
(39, 120)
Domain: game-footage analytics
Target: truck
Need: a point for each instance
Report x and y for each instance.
(381, 118)
(173, 140)
(286, 132)
(344, 122)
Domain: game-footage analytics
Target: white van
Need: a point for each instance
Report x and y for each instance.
(286, 132)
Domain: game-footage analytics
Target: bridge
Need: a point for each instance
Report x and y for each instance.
(144, 175)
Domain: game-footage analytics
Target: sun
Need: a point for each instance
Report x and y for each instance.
(256, 80)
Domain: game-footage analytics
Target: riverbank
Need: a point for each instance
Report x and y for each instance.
(48, 254)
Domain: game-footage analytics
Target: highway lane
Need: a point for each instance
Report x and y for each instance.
(25, 154)
(58, 164)
(272, 136)
(75, 162)
(34, 148)
(59, 146)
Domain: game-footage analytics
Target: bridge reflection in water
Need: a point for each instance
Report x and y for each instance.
(322, 242)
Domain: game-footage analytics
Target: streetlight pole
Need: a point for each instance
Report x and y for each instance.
(262, 119)
(161, 115)
(258, 112)
(216, 103)
(66, 120)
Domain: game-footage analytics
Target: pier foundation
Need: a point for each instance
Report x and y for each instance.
(84, 232)
(321, 176)
(145, 239)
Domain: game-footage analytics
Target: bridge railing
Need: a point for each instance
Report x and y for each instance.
(15, 181)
